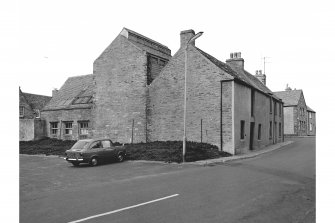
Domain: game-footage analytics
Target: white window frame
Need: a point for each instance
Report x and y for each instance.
(21, 113)
(80, 123)
(68, 130)
(52, 128)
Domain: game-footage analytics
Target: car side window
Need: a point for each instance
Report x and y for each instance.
(106, 144)
(96, 145)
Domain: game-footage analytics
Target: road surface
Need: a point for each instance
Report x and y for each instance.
(274, 187)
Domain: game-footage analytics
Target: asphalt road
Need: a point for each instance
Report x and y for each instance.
(274, 187)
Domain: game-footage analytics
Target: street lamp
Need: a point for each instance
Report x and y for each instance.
(185, 96)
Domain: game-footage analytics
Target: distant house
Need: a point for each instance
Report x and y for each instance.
(136, 94)
(311, 122)
(30, 106)
(296, 116)
(69, 112)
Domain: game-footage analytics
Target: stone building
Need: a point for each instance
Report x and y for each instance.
(311, 122)
(136, 94)
(296, 116)
(31, 126)
(69, 112)
(226, 105)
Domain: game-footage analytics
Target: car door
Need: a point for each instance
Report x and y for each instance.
(108, 149)
(96, 149)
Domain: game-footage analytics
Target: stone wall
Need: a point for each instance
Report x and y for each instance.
(120, 99)
(166, 100)
(72, 115)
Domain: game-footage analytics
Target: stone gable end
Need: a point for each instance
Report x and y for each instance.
(120, 93)
(166, 99)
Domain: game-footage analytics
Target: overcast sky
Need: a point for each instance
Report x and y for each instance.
(45, 42)
(59, 39)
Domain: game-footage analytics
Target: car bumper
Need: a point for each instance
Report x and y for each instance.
(80, 160)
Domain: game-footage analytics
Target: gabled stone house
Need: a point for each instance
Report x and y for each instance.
(31, 126)
(311, 122)
(137, 95)
(296, 116)
(226, 105)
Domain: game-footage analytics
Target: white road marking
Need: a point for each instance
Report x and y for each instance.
(123, 209)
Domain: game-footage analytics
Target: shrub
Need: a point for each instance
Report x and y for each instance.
(169, 151)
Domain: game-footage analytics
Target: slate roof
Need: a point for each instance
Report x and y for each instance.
(309, 109)
(36, 101)
(290, 98)
(76, 92)
(239, 74)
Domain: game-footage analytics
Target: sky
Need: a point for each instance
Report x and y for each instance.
(45, 42)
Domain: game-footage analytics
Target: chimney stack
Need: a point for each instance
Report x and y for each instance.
(236, 60)
(54, 92)
(185, 36)
(261, 77)
(288, 88)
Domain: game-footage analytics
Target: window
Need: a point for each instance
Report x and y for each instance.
(37, 113)
(68, 128)
(106, 144)
(270, 130)
(83, 128)
(270, 106)
(310, 114)
(310, 127)
(275, 107)
(259, 131)
(96, 145)
(242, 129)
(21, 111)
(279, 129)
(54, 128)
(280, 109)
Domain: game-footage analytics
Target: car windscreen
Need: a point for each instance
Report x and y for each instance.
(80, 145)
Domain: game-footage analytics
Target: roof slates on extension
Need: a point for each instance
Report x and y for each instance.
(78, 88)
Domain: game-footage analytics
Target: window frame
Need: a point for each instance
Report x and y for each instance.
(80, 128)
(66, 128)
(21, 115)
(52, 128)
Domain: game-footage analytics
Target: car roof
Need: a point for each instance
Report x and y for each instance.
(91, 140)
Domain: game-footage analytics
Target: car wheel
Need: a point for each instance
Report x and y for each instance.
(75, 163)
(94, 161)
(120, 157)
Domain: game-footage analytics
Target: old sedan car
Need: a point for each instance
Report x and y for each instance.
(94, 151)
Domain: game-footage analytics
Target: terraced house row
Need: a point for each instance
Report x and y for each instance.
(136, 94)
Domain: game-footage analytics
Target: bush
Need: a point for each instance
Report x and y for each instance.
(169, 151)
(46, 146)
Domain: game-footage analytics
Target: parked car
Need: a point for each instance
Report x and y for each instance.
(94, 151)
